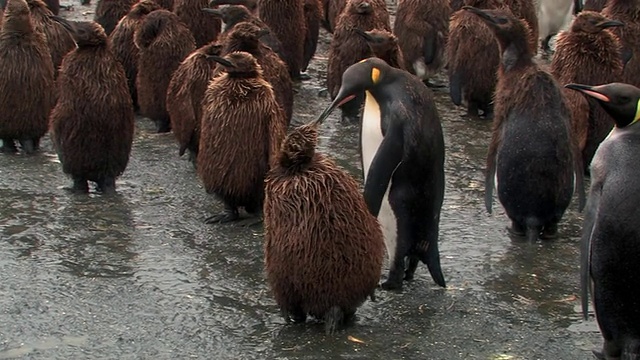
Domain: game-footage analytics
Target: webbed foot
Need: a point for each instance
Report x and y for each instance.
(549, 232)
(80, 186)
(8, 146)
(28, 146)
(107, 186)
(411, 269)
(251, 221)
(297, 316)
(332, 320)
(229, 215)
(516, 230)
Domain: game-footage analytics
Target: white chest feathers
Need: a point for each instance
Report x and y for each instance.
(371, 139)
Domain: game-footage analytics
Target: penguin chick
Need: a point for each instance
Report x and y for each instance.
(93, 122)
(609, 249)
(312, 17)
(628, 13)
(204, 27)
(109, 12)
(241, 132)
(286, 19)
(588, 54)
(526, 10)
(313, 211)
(384, 45)
(534, 178)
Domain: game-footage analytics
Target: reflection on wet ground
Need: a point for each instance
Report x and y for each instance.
(141, 276)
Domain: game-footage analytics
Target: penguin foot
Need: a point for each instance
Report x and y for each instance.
(333, 319)
(8, 146)
(249, 222)
(516, 231)
(296, 315)
(226, 217)
(411, 269)
(107, 186)
(28, 146)
(391, 285)
(550, 232)
(80, 186)
(372, 296)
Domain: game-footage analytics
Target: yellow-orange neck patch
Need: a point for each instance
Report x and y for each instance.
(375, 75)
(637, 117)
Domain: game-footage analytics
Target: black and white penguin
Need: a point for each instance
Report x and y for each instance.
(403, 163)
(611, 234)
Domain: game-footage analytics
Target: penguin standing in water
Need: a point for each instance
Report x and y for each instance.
(532, 153)
(611, 234)
(403, 162)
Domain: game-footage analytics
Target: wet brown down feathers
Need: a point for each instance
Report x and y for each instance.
(587, 54)
(422, 28)
(185, 94)
(92, 124)
(123, 47)
(58, 38)
(627, 12)
(526, 10)
(312, 16)
(204, 27)
(347, 47)
(163, 43)
(384, 45)
(109, 13)
(286, 20)
(323, 248)
(26, 90)
(245, 36)
(241, 131)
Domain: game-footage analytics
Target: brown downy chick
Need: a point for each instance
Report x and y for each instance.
(204, 27)
(123, 47)
(286, 20)
(241, 132)
(163, 43)
(471, 81)
(628, 13)
(347, 47)
(109, 13)
(246, 37)
(526, 10)
(58, 38)
(594, 5)
(588, 54)
(185, 94)
(384, 45)
(312, 17)
(314, 210)
(27, 85)
(92, 124)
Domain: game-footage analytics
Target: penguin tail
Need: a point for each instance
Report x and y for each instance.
(533, 230)
(431, 257)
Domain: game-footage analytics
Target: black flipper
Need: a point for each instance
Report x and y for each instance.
(488, 187)
(588, 230)
(429, 47)
(626, 56)
(383, 165)
(455, 87)
(433, 264)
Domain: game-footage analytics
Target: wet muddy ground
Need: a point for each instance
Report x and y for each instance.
(140, 276)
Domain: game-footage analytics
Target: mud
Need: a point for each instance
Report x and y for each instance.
(140, 276)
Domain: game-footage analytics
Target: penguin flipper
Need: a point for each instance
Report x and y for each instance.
(429, 47)
(432, 260)
(588, 229)
(455, 87)
(384, 164)
(626, 54)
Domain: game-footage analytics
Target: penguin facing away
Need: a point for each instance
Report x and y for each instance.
(403, 163)
(610, 234)
(532, 153)
(384, 45)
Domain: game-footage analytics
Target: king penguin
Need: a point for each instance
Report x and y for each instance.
(611, 233)
(402, 150)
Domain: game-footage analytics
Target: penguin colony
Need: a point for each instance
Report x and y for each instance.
(227, 94)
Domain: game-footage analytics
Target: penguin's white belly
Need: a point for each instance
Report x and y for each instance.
(371, 140)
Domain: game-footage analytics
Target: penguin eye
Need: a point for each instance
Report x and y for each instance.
(623, 99)
(501, 20)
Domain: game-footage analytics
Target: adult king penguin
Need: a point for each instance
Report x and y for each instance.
(403, 163)
(611, 235)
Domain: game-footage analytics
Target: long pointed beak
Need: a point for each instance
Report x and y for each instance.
(588, 90)
(338, 101)
(214, 12)
(610, 23)
(225, 2)
(220, 60)
(478, 12)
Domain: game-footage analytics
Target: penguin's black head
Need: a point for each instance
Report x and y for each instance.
(620, 101)
(592, 22)
(231, 14)
(506, 27)
(364, 75)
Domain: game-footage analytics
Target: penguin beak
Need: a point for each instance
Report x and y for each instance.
(214, 12)
(222, 61)
(263, 32)
(62, 21)
(339, 100)
(589, 90)
(480, 13)
(364, 34)
(609, 23)
(364, 8)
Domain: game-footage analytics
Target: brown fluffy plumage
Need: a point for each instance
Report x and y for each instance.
(526, 10)
(163, 43)
(109, 13)
(627, 12)
(347, 47)
(123, 47)
(286, 20)
(470, 39)
(333, 10)
(384, 45)
(323, 248)
(58, 38)
(245, 36)
(93, 122)
(26, 89)
(422, 28)
(587, 54)
(312, 17)
(185, 94)
(241, 131)
(204, 27)
(594, 5)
